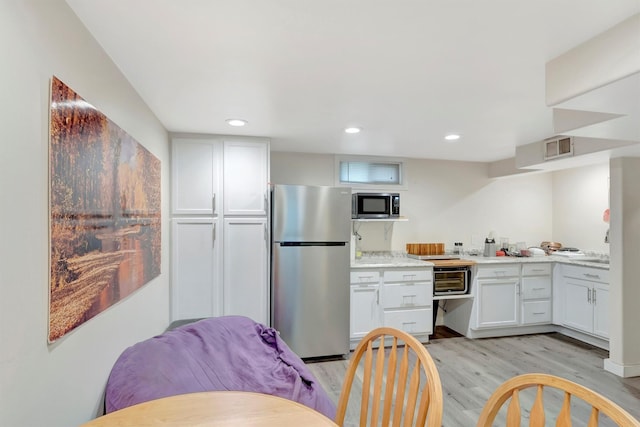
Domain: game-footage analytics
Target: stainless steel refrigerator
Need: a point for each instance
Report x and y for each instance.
(311, 230)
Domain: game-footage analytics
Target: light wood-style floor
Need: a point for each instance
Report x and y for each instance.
(470, 370)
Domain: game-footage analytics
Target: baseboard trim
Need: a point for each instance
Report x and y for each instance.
(624, 371)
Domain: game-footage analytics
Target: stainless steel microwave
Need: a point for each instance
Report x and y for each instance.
(375, 205)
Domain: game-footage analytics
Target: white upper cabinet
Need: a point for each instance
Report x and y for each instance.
(246, 178)
(196, 176)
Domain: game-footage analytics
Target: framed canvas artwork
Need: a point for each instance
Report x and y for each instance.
(104, 205)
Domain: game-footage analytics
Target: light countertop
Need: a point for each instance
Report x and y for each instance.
(400, 261)
(389, 262)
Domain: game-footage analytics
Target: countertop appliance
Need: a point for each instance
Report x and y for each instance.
(311, 230)
(375, 205)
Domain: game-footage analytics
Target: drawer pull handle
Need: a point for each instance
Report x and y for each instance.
(537, 289)
(539, 312)
(593, 276)
(408, 323)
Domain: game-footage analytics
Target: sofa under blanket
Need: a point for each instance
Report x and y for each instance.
(221, 353)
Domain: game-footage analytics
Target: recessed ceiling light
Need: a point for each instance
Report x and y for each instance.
(452, 137)
(352, 130)
(236, 122)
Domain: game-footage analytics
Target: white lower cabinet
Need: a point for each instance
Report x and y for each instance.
(585, 300)
(398, 298)
(536, 294)
(498, 302)
(365, 311)
(513, 295)
(245, 284)
(408, 300)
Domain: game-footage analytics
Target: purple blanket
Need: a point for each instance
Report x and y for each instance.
(222, 353)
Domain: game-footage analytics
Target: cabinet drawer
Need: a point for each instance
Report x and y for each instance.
(536, 287)
(536, 269)
(585, 273)
(408, 275)
(358, 277)
(411, 321)
(510, 270)
(536, 312)
(407, 295)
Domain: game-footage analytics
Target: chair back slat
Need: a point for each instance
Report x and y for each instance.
(593, 419)
(564, 417)
(513, 411)
(536, 418)
(405, 388)
(414, 385)
(391, 378)
(401, 386)
(366, 385)
(377, 384)
(510, 388)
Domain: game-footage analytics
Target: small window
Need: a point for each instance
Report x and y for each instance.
(366, 172)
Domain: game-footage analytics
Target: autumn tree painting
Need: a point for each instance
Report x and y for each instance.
(104, 212)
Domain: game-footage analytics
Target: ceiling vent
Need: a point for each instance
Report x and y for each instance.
(557, 147)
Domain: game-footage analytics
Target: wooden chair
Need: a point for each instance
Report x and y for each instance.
(378, 400)
(511, 388)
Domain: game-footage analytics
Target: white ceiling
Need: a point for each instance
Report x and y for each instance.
(300, 71)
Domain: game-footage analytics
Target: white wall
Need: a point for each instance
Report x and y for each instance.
(60, 384)
(580, 196)
(446, 201)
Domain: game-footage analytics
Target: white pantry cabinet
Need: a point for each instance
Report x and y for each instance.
(196, 267)
(246, 280)
(196, 176)
(219, 238)
(585, 295)
(246, 178)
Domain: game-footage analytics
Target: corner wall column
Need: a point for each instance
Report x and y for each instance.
(624, 291)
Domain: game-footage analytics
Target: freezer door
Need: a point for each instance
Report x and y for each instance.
(310, 298)
(312, 214)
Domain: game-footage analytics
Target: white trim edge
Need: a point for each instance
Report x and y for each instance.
(624, 371)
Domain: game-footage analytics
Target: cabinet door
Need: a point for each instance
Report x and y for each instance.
(600, 300)
(246, 177)
(365, 310)
(578, 311)
(195, 273)
(196, 176)
(246, 284)
(498, 302)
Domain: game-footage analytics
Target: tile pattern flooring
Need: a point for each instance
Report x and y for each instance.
(470, 370)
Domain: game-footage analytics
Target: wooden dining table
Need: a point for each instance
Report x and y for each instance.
(215, 408)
